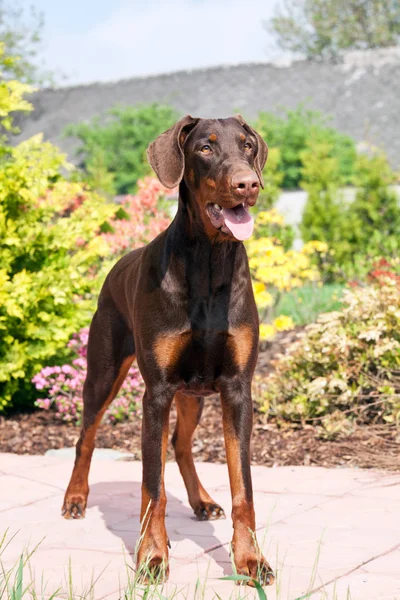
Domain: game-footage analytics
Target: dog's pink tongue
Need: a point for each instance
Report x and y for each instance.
(239, 222)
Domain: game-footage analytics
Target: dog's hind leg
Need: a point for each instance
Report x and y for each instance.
(110, 354)
(189, 411)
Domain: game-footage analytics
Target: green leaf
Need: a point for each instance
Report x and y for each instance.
(245, 579)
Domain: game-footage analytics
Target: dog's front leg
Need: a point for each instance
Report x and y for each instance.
(237, 408)
(152, 558)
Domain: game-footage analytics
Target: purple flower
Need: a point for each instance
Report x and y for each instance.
(65, 386)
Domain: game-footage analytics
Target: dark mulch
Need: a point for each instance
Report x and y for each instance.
(273, 444)
(368, 447)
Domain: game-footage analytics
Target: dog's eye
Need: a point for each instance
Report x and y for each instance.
(248, 146)
(205, 149)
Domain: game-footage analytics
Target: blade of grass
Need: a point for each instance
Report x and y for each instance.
(16, 592)
(307, 595)
(245, 579)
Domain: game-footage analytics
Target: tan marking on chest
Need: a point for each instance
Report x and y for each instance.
(211, 183)
(241, 344)
(168, 347)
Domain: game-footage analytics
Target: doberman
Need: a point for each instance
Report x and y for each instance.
(184, 307)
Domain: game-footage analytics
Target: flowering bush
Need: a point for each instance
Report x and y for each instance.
(140, 219)
(269, 330)
(345, 364)
(384, 269)
(269, 223)
(64, 387)
(276, 269)
(281, 270)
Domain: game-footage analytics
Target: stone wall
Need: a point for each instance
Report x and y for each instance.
(362, 94)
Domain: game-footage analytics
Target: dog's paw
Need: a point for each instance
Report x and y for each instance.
(257, 568)
(74, 506)
(154, 571)
(209, 511)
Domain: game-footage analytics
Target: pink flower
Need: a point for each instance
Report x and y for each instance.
(65, 387)
(138, 228)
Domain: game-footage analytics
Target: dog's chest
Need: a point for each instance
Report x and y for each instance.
(196, 359)
(209, 348)
(204, 337)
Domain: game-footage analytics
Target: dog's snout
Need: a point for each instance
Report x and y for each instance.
(246, 184)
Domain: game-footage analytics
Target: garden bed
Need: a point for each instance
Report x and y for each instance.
(367, 447)
(272, 443)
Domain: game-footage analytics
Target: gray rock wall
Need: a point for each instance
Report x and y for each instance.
(362, 95)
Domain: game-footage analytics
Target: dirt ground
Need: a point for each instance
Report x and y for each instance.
(272, 443)
(368, 447)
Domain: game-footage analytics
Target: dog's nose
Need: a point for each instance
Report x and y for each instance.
(246, 184)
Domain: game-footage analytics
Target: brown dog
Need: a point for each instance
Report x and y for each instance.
(184, 307)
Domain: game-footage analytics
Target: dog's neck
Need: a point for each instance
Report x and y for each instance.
(206, 259)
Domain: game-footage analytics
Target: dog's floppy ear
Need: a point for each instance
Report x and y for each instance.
(165, 154)
(261, 151)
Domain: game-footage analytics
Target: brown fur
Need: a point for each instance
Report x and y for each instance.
(184, 305)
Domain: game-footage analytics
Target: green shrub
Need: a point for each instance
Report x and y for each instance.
(272, 181)
(49, 255)
(371, 227)
(269, 223)
(321, 219)
(346, 365)
(323, 214)
(360, 232)
(291, 135)
(48, 259)
(304, 304)
(113, 150)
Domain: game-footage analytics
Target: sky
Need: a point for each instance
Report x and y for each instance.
(106, 40)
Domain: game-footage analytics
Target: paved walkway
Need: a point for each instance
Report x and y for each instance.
(329, 530)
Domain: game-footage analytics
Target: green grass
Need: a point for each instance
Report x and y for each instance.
(304, 304)
(18, 583)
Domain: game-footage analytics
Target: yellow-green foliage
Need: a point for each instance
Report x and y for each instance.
(347, 364)
(270, 224)
(50, 252)
(11, 93)
(276, 270)
(282, 270)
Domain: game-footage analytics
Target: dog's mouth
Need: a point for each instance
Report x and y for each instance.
(236, 221)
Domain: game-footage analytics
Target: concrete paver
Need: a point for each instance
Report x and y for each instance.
(325, 531)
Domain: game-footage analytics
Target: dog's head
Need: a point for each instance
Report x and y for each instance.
(221, 162)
